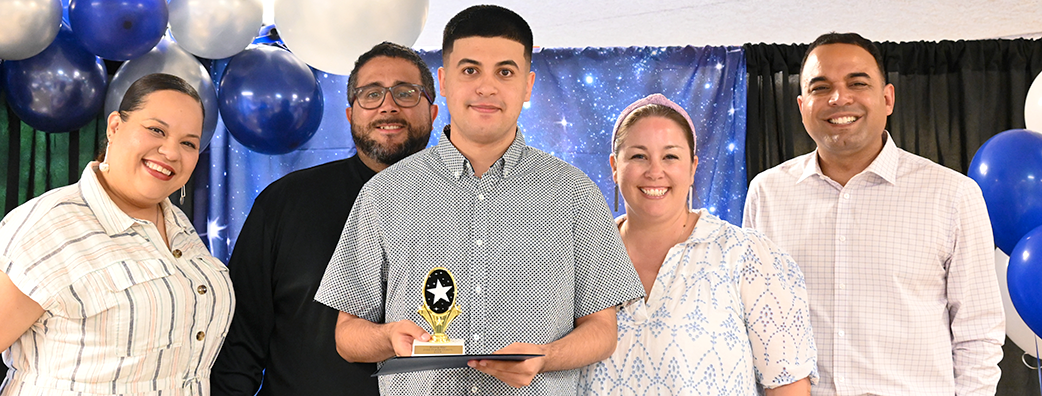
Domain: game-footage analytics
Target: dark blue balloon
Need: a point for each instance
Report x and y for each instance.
(119, 30)
(269, 100)
(1024, 278)
(1008, 168)
(60, 89)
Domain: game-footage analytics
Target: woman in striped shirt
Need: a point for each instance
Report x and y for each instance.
(105, 287)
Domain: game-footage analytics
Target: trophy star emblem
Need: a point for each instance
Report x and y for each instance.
(441, 292)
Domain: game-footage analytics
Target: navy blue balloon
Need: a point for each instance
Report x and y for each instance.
(1008, 168)
(60, 89)
(269, 100)
(1024, 278)
(119, 30)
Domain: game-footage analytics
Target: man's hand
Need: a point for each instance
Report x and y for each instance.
(359, 340)
(514, 373)
(402, 333)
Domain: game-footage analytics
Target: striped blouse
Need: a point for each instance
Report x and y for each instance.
(124, 314)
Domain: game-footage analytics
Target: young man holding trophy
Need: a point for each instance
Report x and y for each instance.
(526, 240)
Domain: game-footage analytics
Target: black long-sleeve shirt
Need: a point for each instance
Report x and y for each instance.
(276, 266)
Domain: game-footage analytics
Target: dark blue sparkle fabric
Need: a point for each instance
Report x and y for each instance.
(576, 97)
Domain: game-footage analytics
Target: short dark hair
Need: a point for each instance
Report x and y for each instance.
(390, 50)
(135, 96)
(487, 21)
(846, 38)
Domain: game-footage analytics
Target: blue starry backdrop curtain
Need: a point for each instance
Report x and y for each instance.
(577, 96)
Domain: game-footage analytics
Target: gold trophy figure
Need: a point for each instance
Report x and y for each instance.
(439, 308)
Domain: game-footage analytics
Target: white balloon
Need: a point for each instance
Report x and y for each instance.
(215, 29)
(27, 27)
(1016, 329)
(330, 34)
(1033, 106)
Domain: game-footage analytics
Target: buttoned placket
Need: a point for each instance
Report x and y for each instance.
(841, 274)
(478, 190)
(180, 259)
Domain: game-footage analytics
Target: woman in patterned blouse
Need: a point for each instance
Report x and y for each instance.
(105, 287)
(726, 310)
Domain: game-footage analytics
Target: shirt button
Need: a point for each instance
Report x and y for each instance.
(839, 379)
(201, 289)
(477, 337)
(846, 195)
(842, 286)
(474, 389)
(481, 197)
(842, 333)
(456, 174)
(842, 238)
(477, 289)
(200, 335)
(479, 242)
(177, 253)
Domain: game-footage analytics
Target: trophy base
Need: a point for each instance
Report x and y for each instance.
(452, 347)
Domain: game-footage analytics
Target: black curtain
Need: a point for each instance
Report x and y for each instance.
(950, 98)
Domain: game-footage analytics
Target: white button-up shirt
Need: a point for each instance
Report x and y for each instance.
(900, 273)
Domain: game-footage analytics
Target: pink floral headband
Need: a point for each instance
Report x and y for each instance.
(657, 99)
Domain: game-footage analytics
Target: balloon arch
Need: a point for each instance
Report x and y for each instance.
(55, 80)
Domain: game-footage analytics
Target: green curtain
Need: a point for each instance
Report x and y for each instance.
(32, 161)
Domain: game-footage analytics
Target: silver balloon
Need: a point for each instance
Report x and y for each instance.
(27, 27)
(330, 34)
(168, 58)
(215, 29)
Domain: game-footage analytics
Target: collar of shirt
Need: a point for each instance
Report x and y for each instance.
(884, 166)
(706, 229)
(459, 166)
(111, 217)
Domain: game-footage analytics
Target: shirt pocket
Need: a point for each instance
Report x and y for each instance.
(149, 296)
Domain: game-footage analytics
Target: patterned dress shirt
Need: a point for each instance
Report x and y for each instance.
(531, 244)
(900, 273)
(123, 313)
(728, 311)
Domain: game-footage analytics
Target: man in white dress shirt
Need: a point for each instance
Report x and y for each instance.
(897, 250)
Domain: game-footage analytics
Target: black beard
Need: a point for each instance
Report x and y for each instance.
(416, 140)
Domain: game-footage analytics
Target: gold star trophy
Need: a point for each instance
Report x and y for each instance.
(439, 308)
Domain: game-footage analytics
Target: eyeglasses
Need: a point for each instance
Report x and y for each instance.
(405, 95)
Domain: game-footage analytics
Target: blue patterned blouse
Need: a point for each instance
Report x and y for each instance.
(728, 311)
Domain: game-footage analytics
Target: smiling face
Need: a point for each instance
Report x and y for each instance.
(485, 81)
(844, 102)
(654, 168)
(153, 152)
(388, 133)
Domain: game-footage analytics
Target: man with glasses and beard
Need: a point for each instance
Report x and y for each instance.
(280, 336)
